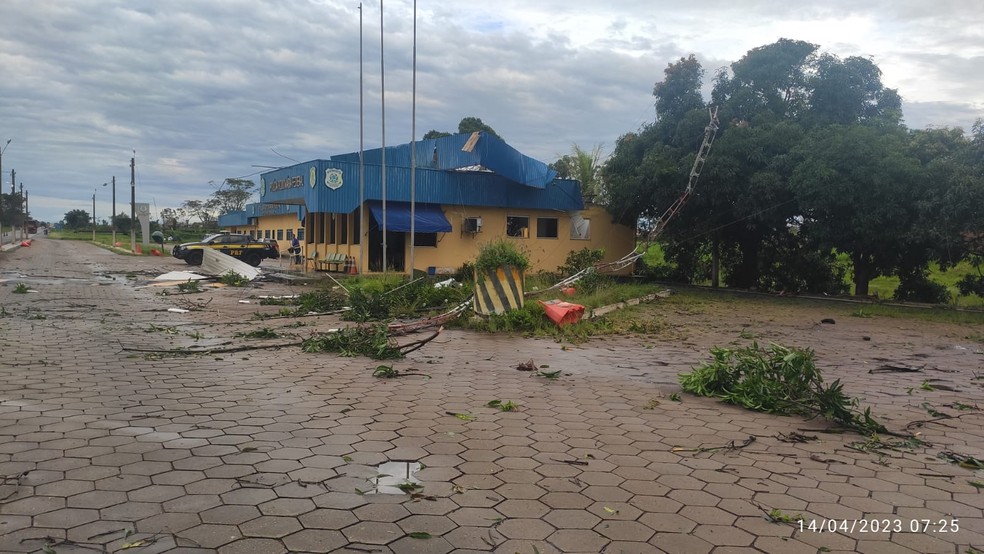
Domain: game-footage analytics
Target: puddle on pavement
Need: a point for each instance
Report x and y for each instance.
(390, 475)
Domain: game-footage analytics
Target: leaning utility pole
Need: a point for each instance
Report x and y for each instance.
(133, 202)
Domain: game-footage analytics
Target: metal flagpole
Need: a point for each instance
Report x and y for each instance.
(382, 83)
(133, 202)
(413, 145)
(362, 177)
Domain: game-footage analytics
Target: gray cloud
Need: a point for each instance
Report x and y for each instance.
(205, 90)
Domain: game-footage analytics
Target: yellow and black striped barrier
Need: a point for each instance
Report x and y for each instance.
(498, 290)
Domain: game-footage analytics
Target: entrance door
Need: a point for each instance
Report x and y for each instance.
(395, 250)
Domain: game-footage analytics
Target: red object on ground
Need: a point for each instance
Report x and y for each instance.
(139, 250)
(155, 252)
(26, 243)
(117, 244)
(569, 291)
(562, 313)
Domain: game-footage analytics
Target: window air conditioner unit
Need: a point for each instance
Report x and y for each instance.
(472, 225)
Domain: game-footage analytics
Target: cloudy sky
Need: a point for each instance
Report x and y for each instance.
(205, 90)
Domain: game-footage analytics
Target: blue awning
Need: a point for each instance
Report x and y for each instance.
(428, 218)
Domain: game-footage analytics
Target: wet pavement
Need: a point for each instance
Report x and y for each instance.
(108, 445)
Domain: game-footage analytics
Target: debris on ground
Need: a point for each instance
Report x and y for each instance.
(218, 264)
(527, 366)
(562, 313)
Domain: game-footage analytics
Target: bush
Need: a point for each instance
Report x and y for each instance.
(971, 284)
(916, 286)
(499, 253)
(580, 259)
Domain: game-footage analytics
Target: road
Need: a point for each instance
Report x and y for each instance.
(110, 440)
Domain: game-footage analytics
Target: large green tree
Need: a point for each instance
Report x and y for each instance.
(233, 195)
(860, 192)
(77, 219)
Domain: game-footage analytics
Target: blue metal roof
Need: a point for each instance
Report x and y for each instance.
(233, 219)
(450, 152)
(490, 173)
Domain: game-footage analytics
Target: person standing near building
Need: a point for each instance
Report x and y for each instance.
(295, 249)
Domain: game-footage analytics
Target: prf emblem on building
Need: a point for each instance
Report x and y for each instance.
(333, 178)
(262, 186)
(313, 176)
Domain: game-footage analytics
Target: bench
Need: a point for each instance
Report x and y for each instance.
(336, 259)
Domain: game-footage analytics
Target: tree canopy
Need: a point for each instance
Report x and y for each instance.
(811, 158)
(466, 125)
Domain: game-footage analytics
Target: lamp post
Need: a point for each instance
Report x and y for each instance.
(2, 150)
(93, 215)
(112, 216)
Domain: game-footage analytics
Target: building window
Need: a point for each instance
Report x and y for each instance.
(580, 228)
(252, 234)
(518, 226)
(425, 239)
(546, 227)
(331, 229)
(319, 228)
(300, 234)
(266, 233)
(280, 234)
(343, 229)
(290, 234)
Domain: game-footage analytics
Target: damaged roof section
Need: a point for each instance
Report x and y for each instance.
(466, 151)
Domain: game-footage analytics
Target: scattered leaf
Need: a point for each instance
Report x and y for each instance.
(419, 535)
(610, 510)
(248, 449)
(347, 458)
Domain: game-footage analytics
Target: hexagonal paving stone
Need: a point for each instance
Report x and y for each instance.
(433, 545)
(577, 540)
(168, 523)
(230, 515)
(381, 512)
(273, 527)
(373, 532)
(96, 499)
(315, 540)
(435, 525)
(211, 535)
(524, 528)
(66, 518)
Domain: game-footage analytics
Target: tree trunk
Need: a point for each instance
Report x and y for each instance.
(716, 263)
(745, 275)
(862, 274)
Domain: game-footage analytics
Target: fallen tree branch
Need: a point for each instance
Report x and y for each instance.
(417, 345)
(731, 446)
(187, 352)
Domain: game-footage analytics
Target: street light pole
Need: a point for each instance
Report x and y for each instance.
(112, 219)
(93, 215)
(2, 150)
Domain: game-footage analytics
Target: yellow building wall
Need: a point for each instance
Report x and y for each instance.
(545, 254)
(457, 247)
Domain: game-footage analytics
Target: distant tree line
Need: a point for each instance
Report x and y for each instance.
(193, 215)
(811, 160)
